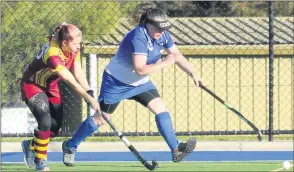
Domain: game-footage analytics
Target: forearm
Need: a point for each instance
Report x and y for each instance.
(183, 64)
(148, 69)
(83, 82)
(79, 89)
(80, 77)
(70, 80)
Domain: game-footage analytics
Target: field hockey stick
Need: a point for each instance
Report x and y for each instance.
(259, 137)
(131, 147)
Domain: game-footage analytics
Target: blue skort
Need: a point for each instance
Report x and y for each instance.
(113, 91)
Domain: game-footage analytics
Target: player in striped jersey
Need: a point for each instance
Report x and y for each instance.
(39, 89)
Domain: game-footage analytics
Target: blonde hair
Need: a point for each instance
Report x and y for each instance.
(64, 32)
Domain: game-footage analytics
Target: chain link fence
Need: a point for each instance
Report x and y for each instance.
(227, 43)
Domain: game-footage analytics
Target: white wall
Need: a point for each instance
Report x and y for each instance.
(17, 120)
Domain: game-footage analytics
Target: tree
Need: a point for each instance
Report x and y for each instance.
(224, 8)
(260, 8)
(26, 26)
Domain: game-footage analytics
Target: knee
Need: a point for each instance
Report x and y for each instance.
(55, 129)
(45, 123)
(157, 106)
(99, 120)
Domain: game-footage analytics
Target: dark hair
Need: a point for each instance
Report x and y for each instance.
(148, 11)
(60, 34)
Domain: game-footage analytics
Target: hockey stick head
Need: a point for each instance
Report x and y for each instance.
(151, 167)
(259, 137)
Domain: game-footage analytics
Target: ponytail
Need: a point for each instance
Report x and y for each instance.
(60, 33)
(140, 14)
(51, 36)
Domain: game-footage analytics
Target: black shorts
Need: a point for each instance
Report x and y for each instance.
(143, 98)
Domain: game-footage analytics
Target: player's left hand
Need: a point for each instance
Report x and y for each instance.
(197, 80)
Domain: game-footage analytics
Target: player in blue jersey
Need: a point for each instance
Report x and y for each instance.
(127, 77)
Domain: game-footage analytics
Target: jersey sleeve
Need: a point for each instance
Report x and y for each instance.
(55, 63)
(54, 60)
(168, 42)
(139, 46)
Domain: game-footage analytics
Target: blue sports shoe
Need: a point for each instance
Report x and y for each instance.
(183, 149)
(29, 155)
(42, 165)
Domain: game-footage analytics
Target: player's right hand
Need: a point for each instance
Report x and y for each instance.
(94, 104)
(91, 93)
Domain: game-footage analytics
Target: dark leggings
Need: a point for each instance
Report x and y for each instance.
(49, 116)
(143, 98)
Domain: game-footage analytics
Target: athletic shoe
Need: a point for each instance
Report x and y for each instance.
(183, 149)
(29, 155)
(42, 165)
(68, 155)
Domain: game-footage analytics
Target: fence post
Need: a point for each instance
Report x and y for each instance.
(271, 68)
(93, 78)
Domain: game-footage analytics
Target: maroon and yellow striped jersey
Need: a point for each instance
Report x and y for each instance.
(43, 69)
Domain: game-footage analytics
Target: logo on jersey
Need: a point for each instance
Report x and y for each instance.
(43, 50)
(149, 46)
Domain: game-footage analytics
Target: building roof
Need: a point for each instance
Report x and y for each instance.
(215, 31)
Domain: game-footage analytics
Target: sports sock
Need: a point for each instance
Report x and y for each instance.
(87, 128)
(165, 127)
(41, 141)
